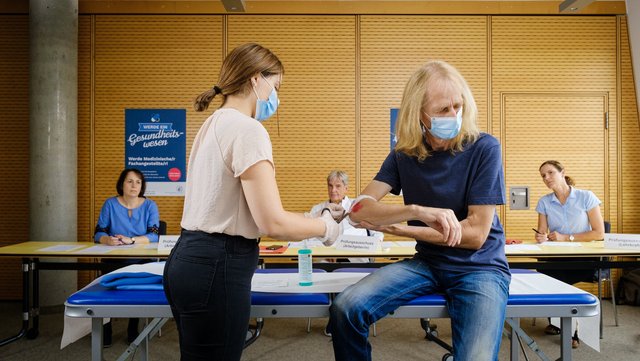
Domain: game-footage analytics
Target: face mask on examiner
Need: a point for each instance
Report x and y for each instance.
(266, 108)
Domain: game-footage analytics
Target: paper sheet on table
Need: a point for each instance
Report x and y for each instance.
(330, 282)
(101, 249)
(60, 248)
(386, 246)
(521, 247)
(562, 244)
(406, 243)
(311, 243)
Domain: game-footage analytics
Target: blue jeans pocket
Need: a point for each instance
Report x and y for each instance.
(192, 281)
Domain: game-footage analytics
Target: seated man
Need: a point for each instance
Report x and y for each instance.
(337, 187)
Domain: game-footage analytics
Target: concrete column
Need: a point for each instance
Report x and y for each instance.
(53, 122)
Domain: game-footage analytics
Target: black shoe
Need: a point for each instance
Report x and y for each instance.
(106, 335)
(575, 341)
(552, 330)
(132, 329)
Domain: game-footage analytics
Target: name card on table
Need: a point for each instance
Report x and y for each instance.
(622, 241)
(351, 242)
(166, 243)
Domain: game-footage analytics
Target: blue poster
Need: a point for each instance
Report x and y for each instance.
(392, 130)
(155, 143)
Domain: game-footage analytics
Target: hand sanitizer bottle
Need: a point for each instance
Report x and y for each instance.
(305, 266)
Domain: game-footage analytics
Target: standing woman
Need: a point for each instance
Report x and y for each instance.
(567, 215)
(231, 199)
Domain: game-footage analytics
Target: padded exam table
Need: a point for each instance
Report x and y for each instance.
(278, 295)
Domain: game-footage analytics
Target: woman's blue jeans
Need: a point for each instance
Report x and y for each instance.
(476, 302)
(207, 281)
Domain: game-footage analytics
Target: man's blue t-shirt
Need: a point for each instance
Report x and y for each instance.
(455, 181)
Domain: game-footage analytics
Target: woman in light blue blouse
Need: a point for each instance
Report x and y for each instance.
(126, 219)
(567, 215)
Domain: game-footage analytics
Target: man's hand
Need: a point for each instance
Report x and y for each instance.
(444, 221)
(397, 229)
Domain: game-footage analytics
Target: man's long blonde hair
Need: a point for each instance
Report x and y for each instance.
(410, 139)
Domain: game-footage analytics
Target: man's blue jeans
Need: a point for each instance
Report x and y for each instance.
(476, 302)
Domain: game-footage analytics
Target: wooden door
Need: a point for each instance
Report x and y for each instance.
(567, 127)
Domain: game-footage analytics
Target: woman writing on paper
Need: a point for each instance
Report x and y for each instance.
(126, 219)
(568, 214)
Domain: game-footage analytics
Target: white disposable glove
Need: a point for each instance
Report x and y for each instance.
(332, 229)
(336, 210)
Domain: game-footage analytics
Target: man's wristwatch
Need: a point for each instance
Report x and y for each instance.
(571, 238)
(133, 239)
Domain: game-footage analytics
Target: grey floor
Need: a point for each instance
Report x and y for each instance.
(287, 339)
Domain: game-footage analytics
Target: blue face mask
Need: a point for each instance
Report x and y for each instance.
(446, 127)
(266, 108)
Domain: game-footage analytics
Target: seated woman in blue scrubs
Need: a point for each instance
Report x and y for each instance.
(568, 214)
(126, 219)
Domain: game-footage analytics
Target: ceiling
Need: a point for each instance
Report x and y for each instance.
(489, 7)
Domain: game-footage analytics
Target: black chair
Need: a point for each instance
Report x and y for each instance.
(162, 228)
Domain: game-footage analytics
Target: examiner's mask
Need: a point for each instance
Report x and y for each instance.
(266, 108)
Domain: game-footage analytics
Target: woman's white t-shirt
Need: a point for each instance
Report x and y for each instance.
(227, 144)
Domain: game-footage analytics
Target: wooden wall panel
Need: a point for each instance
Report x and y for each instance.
(552, 55)
(14, 147)
(148, 62)
(582, 153)
(317, 99)
(629, 140)
(392, 48)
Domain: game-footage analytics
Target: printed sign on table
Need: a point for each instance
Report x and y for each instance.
(166, 243)
(622, 240)
(155, 143)
(350, 242)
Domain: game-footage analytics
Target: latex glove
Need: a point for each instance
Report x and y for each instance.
(332, 229)
(336, 210)
(355, 203)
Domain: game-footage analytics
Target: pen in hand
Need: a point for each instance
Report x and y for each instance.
(540, 233)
